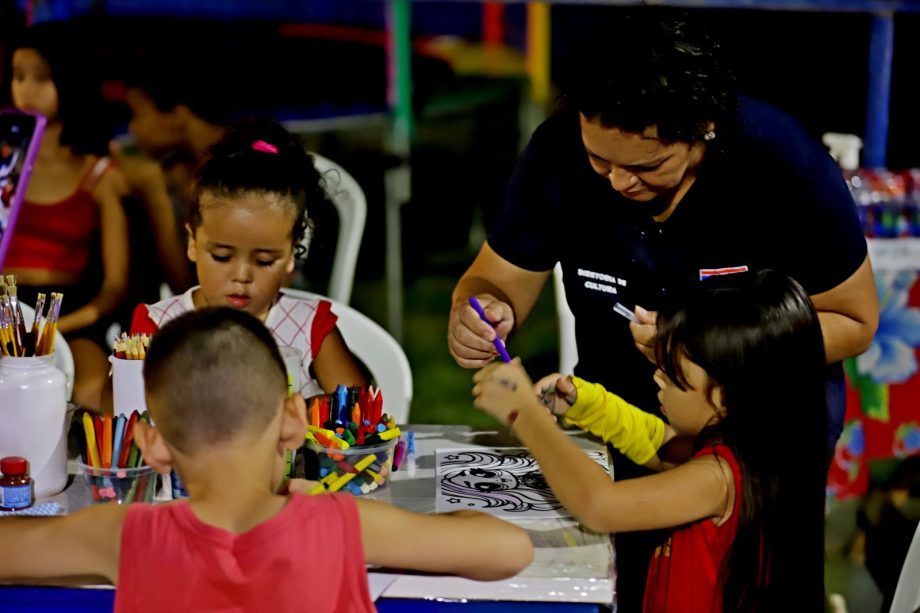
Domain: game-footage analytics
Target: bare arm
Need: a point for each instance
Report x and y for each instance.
(849, 314)
(335, 365)
(115, 252)
(465, 543)
(507, 294)
(689, 492)
(146, 180)
(85, 544)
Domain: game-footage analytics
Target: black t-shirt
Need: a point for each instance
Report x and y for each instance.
(775, 199)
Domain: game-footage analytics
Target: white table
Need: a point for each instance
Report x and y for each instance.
(572, 568)
(571, 565)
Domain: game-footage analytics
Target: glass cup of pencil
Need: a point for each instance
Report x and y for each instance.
(120, 485)
(111, 463)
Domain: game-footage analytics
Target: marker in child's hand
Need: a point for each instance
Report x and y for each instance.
(496, 341)
(622, 310)
(548, 396)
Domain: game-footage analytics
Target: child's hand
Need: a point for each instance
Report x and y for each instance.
(502, 389)
(556, 392)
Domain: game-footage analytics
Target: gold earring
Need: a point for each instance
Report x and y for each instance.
(710, 135)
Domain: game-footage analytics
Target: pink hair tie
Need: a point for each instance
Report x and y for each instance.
(261, 145)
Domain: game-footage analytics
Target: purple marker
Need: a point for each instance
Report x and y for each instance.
(496, 341)
(398, 454)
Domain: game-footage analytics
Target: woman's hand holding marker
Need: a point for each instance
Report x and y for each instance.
(475, 335)
(497, 341)
(644, 332)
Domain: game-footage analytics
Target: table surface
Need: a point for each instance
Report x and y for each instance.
(571, 565)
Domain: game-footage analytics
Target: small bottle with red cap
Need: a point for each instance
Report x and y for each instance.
(16, 486)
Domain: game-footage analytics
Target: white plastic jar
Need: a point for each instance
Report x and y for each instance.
(33, 413)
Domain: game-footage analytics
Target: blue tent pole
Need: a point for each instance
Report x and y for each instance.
(881, 47)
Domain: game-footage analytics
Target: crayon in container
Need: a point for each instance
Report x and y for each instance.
(358, 470)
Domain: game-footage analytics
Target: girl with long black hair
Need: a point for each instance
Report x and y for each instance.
(740, 372)
(71, 235)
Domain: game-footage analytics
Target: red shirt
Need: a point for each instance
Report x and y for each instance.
(683, 576)
(308, 557)
(58, 236)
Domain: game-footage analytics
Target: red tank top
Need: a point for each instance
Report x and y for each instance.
(308, 557)
(683, 576)
(58, 236)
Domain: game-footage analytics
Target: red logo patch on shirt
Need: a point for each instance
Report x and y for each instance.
(705, 273)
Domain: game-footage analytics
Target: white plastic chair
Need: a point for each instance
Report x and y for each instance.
(63, 358)
(379, 351)
(907, 594)
(351, 206)
(568, 349)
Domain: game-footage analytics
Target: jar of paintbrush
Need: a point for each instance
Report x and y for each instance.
(33, 396)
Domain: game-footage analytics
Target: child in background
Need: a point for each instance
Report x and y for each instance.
(182, 95)
(72, 201)
(245, 226)
(217, 391)
(741, 369)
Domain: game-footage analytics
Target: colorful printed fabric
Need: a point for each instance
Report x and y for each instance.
(883, 389)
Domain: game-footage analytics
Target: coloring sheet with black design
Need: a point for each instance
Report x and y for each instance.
(503, 481)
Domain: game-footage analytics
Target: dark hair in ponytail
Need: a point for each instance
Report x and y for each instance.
(260, 156)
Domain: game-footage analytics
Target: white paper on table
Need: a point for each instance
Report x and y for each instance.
(529, 589)
(377, 583)
(503, 481)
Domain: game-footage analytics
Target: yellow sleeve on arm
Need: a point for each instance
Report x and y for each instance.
(635, 433)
